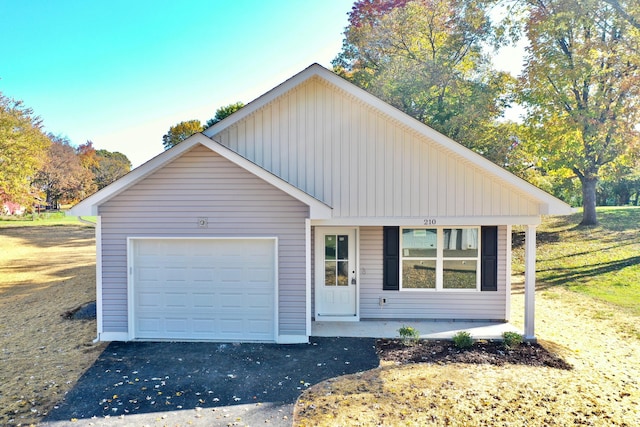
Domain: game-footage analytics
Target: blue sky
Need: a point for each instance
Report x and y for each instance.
(120, 73)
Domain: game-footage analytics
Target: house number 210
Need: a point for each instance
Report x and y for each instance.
(429, 222)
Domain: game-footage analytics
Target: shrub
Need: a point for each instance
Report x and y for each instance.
(409, 335)
(511, 340)
(463, 339)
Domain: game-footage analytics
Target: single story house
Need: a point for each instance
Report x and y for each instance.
(316, 202)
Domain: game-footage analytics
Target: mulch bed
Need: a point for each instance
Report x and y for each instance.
(482, 352)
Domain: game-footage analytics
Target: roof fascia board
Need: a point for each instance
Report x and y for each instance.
(317, 209)
(549, 205)
(468, 221)
(89, 206)
(262, 100)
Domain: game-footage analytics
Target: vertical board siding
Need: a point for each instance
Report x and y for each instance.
(202, 184)
(363, 163)
(425, 305)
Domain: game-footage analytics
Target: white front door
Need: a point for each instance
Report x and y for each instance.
(336, 278)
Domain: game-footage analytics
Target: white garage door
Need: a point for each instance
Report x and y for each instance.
(221, 289)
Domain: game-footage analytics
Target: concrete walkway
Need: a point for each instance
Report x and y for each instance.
(429, 329)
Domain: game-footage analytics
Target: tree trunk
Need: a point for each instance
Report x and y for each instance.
(589, 200)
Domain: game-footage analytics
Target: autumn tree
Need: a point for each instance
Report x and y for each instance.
(110, 167)
(180, 132)
(23, 147)
(87, 155)
(581, 84)
(223, 113)
(428, 58)
(62, 177)
(629, 10)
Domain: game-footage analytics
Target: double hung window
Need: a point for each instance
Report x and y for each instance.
(440, 258)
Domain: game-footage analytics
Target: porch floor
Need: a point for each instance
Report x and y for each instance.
(429, 329)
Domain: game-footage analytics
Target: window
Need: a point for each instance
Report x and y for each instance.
(336, 264)
(440, 258)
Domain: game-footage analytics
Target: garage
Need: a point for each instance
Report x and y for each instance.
(202, 289)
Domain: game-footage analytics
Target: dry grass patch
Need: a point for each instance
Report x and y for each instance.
(603, 389)
(469, 395)
(45, 271)
(599, 339)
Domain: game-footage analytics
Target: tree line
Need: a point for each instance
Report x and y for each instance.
(183, 130)
(579, 92)
(579, 88)
(39, 168)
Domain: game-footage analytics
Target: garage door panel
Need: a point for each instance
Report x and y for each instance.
(204, 300)
(176, 324)
(177, 300)
(204, 289)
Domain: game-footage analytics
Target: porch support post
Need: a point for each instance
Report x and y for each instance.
(307, 293)
(530, 283)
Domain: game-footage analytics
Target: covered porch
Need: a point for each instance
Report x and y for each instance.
(428, 329)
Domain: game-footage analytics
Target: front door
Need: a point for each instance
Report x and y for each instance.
(336, 279)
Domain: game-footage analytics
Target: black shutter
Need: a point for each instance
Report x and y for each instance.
(489, 259)
(391, 259)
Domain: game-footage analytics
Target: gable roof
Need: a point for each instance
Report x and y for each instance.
(551, 204)
(319, 210)
(89, 206)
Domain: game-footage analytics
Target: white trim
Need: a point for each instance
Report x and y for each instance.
(114, 336)
(308, 272)
(440, 259)
(131, 318)
(131, 268)
(530, 283)
(319, 250)
(292, 339)
(276, 290)
(99, 310)
(317, 209)
(434, 221)
(549, 205)
(508, 255)
(89, 206)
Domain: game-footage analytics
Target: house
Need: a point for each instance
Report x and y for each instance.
(12, 208)
(317, 202)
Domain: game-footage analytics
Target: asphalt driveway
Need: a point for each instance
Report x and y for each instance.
(206, 383)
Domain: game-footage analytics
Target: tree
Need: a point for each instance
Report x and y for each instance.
(87, 155)
(427, 58)
(23, 147)
(180, 132)
(224, 112)
(62, 177)
(110, 167)
(628, 10)
(581, 84)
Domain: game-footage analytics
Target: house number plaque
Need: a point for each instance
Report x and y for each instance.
(430, 221)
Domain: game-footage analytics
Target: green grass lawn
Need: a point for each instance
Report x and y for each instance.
(601, 261)
(45, 218)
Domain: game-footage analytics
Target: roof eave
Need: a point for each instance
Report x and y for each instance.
(89, 206)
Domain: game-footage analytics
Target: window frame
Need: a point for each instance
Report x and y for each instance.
(440, 259)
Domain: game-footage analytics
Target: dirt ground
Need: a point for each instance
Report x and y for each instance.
(484, 388)
(482, 352)
(44, 273)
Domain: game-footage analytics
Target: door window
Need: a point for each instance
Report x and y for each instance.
(336, 260)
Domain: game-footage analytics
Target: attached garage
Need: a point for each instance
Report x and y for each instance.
(202, 289)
